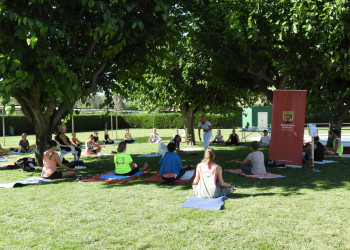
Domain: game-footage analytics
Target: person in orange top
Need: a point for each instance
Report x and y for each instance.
(51, 160)
(75, 141)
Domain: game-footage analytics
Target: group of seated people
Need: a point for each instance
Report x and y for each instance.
(320, 151)
(233, 139)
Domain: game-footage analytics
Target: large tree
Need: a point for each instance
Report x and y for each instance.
(282, 44)
(182, 75)
(53, 53)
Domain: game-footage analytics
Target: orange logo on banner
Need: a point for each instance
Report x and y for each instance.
(288, 116)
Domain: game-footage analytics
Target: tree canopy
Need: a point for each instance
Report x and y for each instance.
(53, 53)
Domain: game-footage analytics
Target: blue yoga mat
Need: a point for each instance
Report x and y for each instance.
(205, 203)
(112, 176)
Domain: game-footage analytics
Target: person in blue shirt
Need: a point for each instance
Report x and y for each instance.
(171, 168)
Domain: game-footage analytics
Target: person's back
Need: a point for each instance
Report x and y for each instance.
(319, 151)
(122, 163)
(170, 163)
(256, 158)
(50, 166)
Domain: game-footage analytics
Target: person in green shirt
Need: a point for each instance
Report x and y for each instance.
(124, 165)
(337, 149)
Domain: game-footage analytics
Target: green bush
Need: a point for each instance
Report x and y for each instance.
(92, 122)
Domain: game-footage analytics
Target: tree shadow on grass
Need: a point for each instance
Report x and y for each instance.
(333, 175)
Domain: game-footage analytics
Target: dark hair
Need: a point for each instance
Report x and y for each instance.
(265, 130)
(255, 145)
(51, 143)
(121, 147)
(335, 131)
(316, 138)
(175, 138)
(171, 147)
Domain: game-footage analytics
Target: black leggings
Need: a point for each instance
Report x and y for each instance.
(68, 149)
(129, 141)
(132, 172)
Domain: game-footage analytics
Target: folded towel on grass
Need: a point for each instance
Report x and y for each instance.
(205, 203)
(6, 166)
(148, 155)
(191, 149)
(97, 155)
(187, 177)
(33, 180)
(261, 176)
(110, 177)
(324, 162)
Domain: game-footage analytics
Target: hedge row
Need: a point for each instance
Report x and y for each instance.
(90, 122)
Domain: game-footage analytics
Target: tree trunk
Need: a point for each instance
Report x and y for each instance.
(43, 134)
(338, 113)
(188, 116)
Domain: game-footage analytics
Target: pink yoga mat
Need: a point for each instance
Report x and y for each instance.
(261, 176)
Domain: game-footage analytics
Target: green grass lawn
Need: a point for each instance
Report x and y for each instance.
(302, 211)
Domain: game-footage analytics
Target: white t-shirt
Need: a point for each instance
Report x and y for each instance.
(265, 140)
(206, 125)
(154, 137)
(257, 160)
(219, 137)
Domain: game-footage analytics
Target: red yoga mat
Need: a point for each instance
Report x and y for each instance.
(157, 178)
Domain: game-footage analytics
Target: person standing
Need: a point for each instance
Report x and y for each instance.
(207, 131)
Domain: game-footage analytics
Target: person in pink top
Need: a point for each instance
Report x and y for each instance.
(208, 176)
(51, 160)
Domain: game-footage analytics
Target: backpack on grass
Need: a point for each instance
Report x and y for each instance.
(27, 164)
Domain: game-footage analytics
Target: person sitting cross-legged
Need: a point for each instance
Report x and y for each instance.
(233, 139)
(107, 139)
(24, 145)
(171, 168)
(127, 137)
(75, 141)
(208, 173)
(90, 146)
(265, 139)
(256, 158)
(219, 138)
(50, 162)
(124, 165)
(337, 149)
(3, 151)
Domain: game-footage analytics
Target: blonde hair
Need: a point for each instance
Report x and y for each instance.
(60, 127)
(24, 134)
(209, 156)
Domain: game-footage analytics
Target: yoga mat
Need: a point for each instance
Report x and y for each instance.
(205, 203)
(97, 155)
(149, 155)
(191, 149)
(189, 177)
(116, 178)
(4, 166)
(324, 162)
(33, 180)
(3, 160)
(262, 176)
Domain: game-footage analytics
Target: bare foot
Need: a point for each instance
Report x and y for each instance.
(145, 166)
